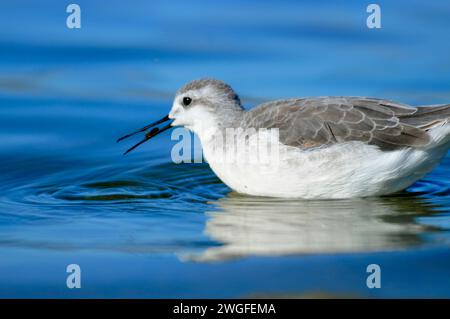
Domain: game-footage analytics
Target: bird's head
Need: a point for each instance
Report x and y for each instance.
(203, 104)
(200, 106)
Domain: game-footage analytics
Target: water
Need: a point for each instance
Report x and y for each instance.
(142, 226)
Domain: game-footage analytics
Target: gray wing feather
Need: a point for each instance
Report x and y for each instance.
(314, 122)
(430, 116)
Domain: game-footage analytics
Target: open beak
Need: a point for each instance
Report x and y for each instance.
(148, 135)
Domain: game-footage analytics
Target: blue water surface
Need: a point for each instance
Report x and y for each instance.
(142, 226)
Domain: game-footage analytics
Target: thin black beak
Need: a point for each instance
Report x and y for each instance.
(155, 131)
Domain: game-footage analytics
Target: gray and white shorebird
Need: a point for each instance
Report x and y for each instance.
(333, 147)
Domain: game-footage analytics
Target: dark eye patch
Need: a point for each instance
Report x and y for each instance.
(187, 100)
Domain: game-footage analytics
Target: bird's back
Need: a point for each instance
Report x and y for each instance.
(316, 122)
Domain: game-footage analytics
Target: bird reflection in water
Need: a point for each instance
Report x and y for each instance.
(272, 227)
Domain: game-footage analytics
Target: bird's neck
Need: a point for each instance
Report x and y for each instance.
(230, 118)
(218, 124)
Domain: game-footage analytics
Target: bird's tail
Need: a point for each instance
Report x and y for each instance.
(435, 119)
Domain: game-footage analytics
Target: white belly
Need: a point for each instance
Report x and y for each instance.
(341, 171)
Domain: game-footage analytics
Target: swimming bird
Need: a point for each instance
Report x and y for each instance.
(328, 147)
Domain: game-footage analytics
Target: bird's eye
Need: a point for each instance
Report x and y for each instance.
(187, 100)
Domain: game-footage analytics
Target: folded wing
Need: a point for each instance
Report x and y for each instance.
(315, 122)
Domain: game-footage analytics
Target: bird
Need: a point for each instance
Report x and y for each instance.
(329, 147)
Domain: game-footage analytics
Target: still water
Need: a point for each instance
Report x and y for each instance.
(142, 226)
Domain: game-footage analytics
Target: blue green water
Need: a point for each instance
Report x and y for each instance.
(142, 226)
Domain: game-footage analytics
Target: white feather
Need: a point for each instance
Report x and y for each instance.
(345, 170)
